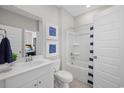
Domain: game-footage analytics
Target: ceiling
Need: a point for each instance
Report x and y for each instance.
(76, 10)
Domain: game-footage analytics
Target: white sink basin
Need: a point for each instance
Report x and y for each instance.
(5, 68)
(31, 63)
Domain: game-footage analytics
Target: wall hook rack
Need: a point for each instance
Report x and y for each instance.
(5, 32)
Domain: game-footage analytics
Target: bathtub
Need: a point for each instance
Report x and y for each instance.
(79, 73)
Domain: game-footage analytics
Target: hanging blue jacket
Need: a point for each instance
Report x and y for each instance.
(5, 51)
(2, 52)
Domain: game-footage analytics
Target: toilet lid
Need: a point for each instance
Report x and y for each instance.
(64, 76)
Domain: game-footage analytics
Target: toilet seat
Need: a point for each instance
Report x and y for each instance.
(64, 76)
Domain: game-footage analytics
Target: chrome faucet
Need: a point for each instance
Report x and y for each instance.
(28, 58)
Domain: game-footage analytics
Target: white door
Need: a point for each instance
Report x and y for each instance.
(107, 43)
(15, 36)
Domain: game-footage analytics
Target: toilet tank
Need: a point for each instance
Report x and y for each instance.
(56, 64)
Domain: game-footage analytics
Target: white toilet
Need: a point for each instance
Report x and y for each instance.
(62, 78)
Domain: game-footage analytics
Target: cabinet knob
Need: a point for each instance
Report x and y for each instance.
(39, 82)
(35, 85)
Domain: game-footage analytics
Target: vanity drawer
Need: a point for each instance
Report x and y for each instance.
(31, 84)
(46, 81)
(26, 77)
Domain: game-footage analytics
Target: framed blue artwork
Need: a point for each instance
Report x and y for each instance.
(52, 31)
(52, 48)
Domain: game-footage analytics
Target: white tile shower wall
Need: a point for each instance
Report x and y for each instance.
(80, 42)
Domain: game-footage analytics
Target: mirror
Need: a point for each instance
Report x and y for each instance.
(30, 43)
(23, 42)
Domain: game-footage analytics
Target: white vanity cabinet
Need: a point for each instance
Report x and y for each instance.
(44, 81)
(42, 77)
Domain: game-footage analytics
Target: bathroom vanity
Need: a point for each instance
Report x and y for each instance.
(38, 73)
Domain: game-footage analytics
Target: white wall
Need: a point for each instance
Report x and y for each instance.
(13, 19)
(88, 18)
(67, 23)
(48, 13)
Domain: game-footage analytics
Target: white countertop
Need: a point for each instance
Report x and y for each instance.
(21, 66)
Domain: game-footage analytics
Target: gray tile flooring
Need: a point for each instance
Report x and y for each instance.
(78, 84)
